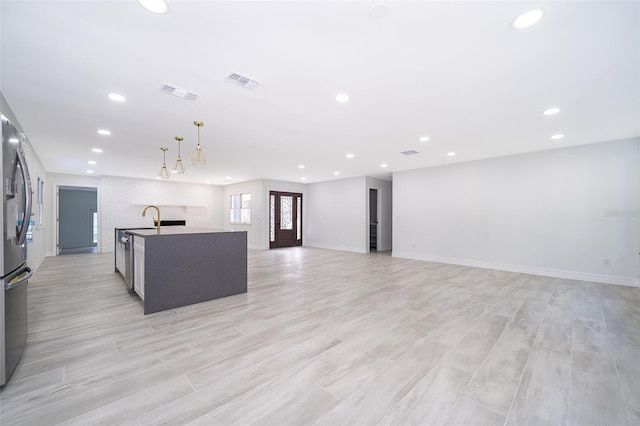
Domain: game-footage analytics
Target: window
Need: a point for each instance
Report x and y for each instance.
(299, 218)
(240, 208)
(272, 218)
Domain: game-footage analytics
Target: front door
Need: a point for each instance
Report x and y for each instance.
(285, 219)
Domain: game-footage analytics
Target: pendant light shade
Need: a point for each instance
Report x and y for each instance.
(178, 167)
(164, 173)
(198, 157)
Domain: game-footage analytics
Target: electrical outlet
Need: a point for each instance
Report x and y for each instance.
(606, 262)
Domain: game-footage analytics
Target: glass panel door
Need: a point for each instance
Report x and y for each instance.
(285, 219)
(286, 212)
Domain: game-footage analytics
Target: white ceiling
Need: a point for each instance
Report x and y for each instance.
(454, 71)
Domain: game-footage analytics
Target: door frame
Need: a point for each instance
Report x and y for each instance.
(56, 217)
(378, 214)
(274, 244)
(91, 213)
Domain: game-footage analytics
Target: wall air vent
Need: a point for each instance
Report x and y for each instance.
(410, 152)
(178, 92)
(242, 81)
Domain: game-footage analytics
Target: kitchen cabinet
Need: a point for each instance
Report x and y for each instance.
(138, 266)
(178, 265)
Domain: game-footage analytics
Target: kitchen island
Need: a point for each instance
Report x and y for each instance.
(179, 265)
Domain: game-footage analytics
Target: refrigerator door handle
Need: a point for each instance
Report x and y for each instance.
(19, 279)
(22, 235)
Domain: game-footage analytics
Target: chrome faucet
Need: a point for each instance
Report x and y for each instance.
(144, 212)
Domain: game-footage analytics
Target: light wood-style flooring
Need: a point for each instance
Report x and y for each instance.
(329, 338)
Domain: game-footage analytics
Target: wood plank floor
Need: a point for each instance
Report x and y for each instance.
(330, 338)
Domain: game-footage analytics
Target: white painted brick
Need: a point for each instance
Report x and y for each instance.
(122, 201)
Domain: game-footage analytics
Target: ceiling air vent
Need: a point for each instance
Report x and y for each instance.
(242, 81)
(178, 92)
(410, 152)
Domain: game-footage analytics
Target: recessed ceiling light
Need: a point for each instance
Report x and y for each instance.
(116, 97)
(91, 162)
(155, 6)
(98, 150)
(528, 19)
(424, 139)
(557, 136)
(89, 171)
(228, 178)
(303, 178)
(551, 111)
(104, 132)
(451, 154)
(301, 166)
(336, 173)
(342, 98)
(349, 156)
(383, 165)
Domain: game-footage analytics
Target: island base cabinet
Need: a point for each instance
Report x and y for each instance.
(138, 266)
(180, 266)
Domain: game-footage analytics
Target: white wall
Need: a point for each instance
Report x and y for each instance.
(37, 248)
(121, 201)
(258, 230)
(385, 201)
(547, 213)
(337, 215)
(255, 230)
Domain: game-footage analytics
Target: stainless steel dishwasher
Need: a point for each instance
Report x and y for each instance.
(123, 257)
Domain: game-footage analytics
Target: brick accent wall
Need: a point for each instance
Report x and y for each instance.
(121, 201)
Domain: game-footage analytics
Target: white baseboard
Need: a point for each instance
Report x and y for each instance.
(533, 270)
(332, 247)
(37, 264)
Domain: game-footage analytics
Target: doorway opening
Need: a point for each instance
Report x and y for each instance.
(77, 220)
(285, 219)
(374, 207)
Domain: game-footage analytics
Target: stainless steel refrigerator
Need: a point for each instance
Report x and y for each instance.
(14, 272)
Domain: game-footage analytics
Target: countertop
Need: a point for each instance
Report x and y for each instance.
(178, 230)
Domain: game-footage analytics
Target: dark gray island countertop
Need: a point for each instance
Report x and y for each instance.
(177, 230)
(181, 265)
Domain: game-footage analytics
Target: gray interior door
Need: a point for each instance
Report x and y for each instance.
(75, 215)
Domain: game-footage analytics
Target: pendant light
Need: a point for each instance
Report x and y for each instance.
(164, 173)
(178, 167)
(198, 157)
